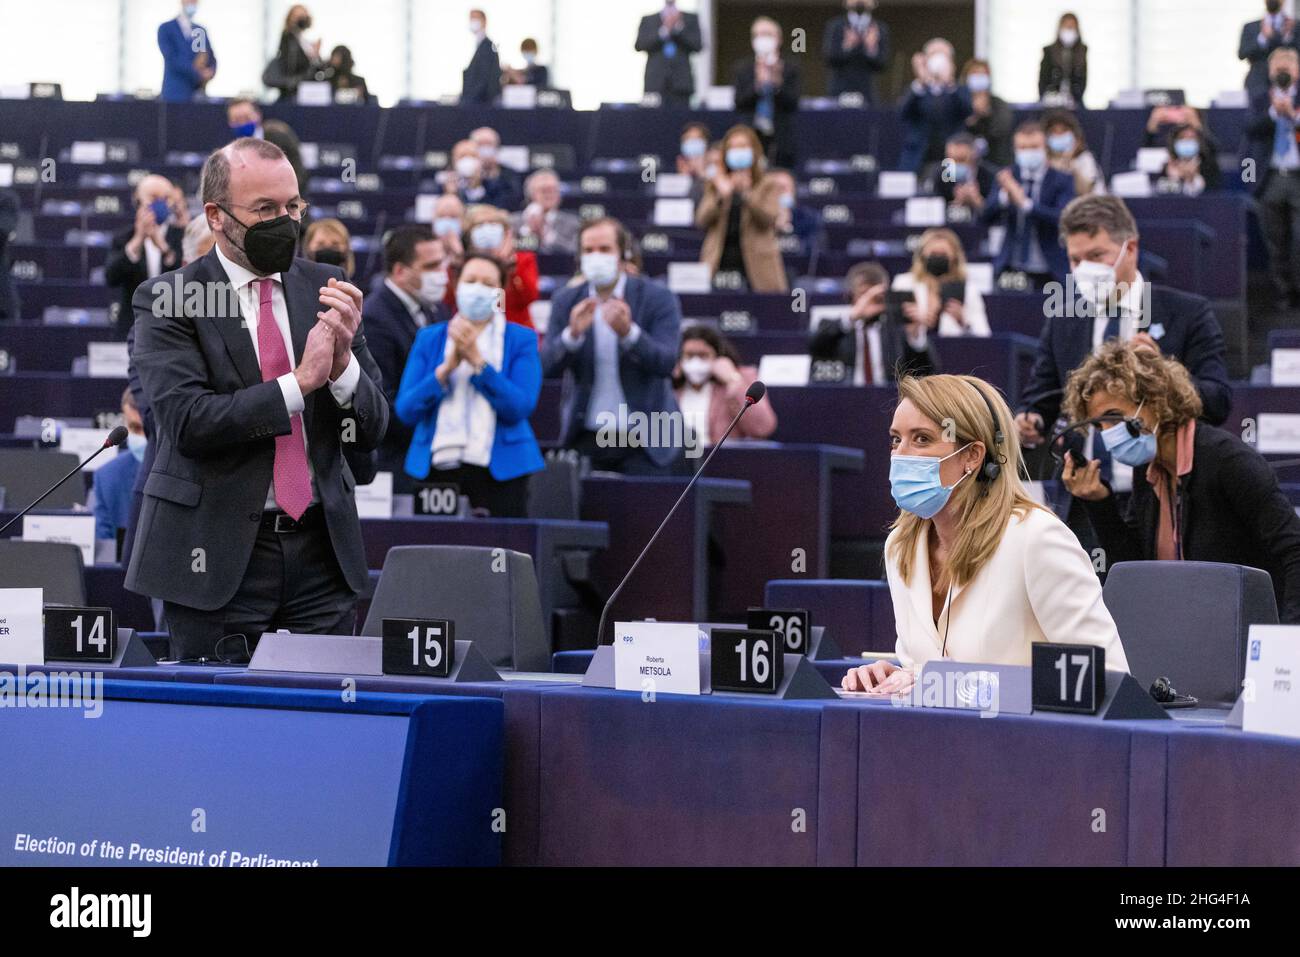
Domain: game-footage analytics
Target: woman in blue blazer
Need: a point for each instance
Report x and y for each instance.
(469, 386)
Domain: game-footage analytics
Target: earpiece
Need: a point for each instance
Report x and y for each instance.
(991, 467)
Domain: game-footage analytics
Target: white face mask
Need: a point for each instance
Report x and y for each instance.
(1069, 37)
(487, 235)
(1096, 281)
(764, 45)
(601, 269)
(476, 27)
(939, 65)
(487, 152)
(433, 286)
(467, 167)
(697, 370)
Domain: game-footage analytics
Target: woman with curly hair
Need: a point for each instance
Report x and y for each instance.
(1199, 492)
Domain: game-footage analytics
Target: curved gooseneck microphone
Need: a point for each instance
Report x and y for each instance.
(115, 438)
(753, 394)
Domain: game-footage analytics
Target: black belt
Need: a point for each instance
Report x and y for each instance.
(282, 523)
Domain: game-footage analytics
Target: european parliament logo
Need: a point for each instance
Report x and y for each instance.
(1254, 650)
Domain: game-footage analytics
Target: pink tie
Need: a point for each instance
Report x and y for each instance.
(291, 478)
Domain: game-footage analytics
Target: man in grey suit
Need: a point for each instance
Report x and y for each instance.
(543, 225)
(259, 378)
(669, 37)
(617, 337)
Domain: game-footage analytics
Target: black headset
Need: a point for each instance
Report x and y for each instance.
(991, 467)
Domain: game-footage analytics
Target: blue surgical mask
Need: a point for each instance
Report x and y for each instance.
(960, 172)
(979, 82)
(243, 129)
(136, 443)
(160, 210)
(1030, 160)
(694, 147)
(1186, 148)
(446, 226)
(1061, 142)
(787, 201)
(487, 235)
(915, 484)
(190, 9)
(475, 301)
(740, 157)
(1131, 450)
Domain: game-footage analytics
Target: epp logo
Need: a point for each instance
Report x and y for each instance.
(1254, 650)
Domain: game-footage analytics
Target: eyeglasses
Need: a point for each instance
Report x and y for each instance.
(296, 209)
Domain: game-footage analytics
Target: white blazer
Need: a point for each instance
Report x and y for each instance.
(977, 320)
(1038, 586)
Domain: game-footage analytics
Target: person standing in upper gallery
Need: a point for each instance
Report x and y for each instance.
(856, 48)
(767, 88)
(1259, 38)
(991, 120)
(668, 38)
(1063, 71)
(481, 80)
(297, 58)
(934, 108)
(188, 60)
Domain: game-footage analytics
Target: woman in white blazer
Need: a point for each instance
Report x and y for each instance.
(938, 262)
(977, 570)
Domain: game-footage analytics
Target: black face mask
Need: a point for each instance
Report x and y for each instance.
(1283, 80)
(304, 23)
(1273, 6)
(269, 245)
(330, 257)
(937, 265)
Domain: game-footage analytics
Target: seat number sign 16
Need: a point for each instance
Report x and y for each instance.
(746, 660)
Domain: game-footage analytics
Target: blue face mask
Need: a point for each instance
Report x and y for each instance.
(446, 226)
(960, 172)
(915, 484)
(787, 201)
(1186, 148)
(1031, 160)
(1061, 142)
(136, 443)
(243, 129)
(740, 157)
(693, 147)
(160, 210)
(475, 301)
(1131, 450)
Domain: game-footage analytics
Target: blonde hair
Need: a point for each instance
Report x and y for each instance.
(957, 265)
(954, 402)
(1157, 382)
(484, 213)
(332, 229)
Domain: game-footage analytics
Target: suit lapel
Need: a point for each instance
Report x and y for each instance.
(233, 328)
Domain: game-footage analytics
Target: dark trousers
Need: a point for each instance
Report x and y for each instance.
(624, 458)
(1279, 219)
(293, 581)
(508, 499)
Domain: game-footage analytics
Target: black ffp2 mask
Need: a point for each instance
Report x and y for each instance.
(269, 245)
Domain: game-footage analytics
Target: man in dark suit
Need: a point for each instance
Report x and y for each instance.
(856, 48)
(961, 177)
(876, 345)
(934, 108)
(616, 336)
(410, 298)
(188, 59)
(767, 88)
(1027, 204)
(669, 37)
(482, 78)
(1271, 128)
(149, 247)
(249, 522)
(1259, 38)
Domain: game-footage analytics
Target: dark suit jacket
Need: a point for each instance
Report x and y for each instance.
(853, 71)
(216, 427)
(928, 120)
(669, 76)
(1260, 130)
(1232, 511)
(1191, 335)
(538, 75)
(295, 64)
(1052, 69)
(180, 80)
(124, 276)
(995, 130)
(934, 183)
(645, 369)
(9, 309)
(1057, 190)
(1257, 56)
(785, 102)
(832, 341)
(482, 78)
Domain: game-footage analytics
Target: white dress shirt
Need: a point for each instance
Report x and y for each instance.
(410, 302)
(343, 388)
(1130, 316)
(694, 406)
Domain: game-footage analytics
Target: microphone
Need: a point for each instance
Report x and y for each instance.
(115, 438)
(753, 394)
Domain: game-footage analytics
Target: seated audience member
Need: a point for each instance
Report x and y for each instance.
(1067, 151)
(945, 300)
(1027, 204)
(197, 240)
(1271, 127)
(188, 58)
(532, 73)
(971, 551)
(341, 76)
(297, 58)
(148, 247)
(768, 87)
(991, 120)
(1101, 239)
(792, 219)
(468, 390)
(1199, 493)
(961, 177)
(934, 108)
(1259, 38)
(695, 139)
(877, 346)
(543, 223)
(481, 79)
(615, 340)
(855, 47)
(1192, 167)
(448, 215)
(467, 179)
(1063, 71)
(486, 230)
(110, 492)
(738, 214)
(244, 118)
(328, 241)
(502, 183)
(409, 299)
(710, 385)
(9, 206)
